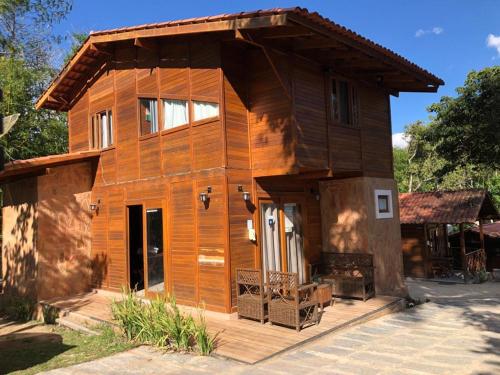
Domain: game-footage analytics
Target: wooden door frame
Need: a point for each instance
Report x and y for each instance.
(280, 199)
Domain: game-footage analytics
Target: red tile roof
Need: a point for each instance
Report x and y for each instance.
(446, 207)
(489, 230)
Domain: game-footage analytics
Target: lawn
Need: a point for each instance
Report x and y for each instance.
(35, 348)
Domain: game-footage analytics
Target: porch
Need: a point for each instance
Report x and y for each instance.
(243, 340)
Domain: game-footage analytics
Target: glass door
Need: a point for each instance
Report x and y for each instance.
(154, 262)
(282, 238)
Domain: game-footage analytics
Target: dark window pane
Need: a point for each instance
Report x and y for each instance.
(154, 233)
(148, 116)
(334, 100)
(383, 203)
(344, 105)
(110, 127)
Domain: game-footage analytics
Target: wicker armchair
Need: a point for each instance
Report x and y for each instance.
(251, 297)
(291, 304)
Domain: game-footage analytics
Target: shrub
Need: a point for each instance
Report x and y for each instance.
(50, 314)
(161, 323)
(19, 308)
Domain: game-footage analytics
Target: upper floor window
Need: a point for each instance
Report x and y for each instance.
(102, 130)
(343, 102)
(175, 113)
(204, 110)
(148, 115)
(383, 204)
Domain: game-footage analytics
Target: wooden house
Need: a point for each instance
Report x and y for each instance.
(428, 250)
(198, 146)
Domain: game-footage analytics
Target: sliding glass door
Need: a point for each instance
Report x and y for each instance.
(154, 241)
(282, 239)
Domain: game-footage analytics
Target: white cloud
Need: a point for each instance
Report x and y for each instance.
(435, 30)
(399, 140)
(493, 41)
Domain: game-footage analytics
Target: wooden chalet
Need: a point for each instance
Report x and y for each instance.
(199, 146)
(426, 220)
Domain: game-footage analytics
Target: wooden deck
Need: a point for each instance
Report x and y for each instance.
(245, 340)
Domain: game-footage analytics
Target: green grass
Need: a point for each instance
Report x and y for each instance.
(58, 347)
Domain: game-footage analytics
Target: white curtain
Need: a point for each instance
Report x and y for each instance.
(294, 240)
(203, 110)
(104, 130)
(154, 115)
(271, 254)
(175, 113)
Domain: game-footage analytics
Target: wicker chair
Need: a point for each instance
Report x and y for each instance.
(251, 297)
(291, 304)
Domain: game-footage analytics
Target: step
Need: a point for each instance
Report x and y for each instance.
(71, 324)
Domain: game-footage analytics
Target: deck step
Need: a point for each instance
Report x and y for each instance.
(76, 326)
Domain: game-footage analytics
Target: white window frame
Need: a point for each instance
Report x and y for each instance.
(384, 215)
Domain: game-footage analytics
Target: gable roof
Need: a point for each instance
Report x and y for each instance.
(489, 230)
(89, 57)
(446, 207)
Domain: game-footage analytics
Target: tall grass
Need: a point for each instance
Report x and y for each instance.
(162, 324)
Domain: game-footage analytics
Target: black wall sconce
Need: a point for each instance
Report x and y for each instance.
(245, 194)
(204, 195)
(94, 207)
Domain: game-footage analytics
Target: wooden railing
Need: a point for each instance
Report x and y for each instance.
(475, 262)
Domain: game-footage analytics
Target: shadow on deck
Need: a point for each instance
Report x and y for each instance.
(245, 340)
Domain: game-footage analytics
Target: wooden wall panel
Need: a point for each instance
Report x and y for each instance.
(101, 93)
(127, 161)
(176, 152)
(99, 229)
(150, 157)
(205, 73)
(376, 133)
(107, 167)
(208, 146)
(310, 117)
(174, 69)
(117, 269)
(235, 99)
(211, 243)
(78, 118)
(414, 247)
(345, 149)
(271, 133)
(182, 242)
(242, 250)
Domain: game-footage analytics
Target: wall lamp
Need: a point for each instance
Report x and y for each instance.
(95, 206)
(245, 194)
(204, 195)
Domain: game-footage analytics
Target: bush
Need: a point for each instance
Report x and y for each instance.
(162, 324)
(50, 314)
(19, 308)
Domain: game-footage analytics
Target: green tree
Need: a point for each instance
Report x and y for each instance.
(26, 50)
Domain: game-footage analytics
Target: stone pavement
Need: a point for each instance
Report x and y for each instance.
(458, 332)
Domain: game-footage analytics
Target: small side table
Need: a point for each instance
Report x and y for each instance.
(324, 294)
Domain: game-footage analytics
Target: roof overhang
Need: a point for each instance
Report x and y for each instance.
(20, 169)
(293, 30)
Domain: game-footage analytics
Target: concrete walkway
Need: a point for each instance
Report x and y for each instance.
(458, 332)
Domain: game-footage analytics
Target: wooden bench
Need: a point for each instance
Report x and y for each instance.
(351, 274)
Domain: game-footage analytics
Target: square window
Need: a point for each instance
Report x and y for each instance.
(175, 113)
(383, 204)
(148, 111)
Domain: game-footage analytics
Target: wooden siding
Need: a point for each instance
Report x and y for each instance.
(414, 249)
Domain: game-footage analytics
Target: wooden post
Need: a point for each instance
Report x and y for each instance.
(462, 251)
(481, 240)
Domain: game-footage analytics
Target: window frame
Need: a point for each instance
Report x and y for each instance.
(95, 139)
(352, 100)
(204, 120)
(139, 118)
(384, 214)
(163, 116)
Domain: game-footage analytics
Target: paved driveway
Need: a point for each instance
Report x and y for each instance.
(458, 332)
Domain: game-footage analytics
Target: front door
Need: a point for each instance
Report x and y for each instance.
(282, 237)
(154, 244)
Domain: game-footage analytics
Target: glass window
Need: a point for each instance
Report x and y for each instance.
(154, 240)
(204, 110)
(101, 130)
(334, 100)
(383, 204)
(344, 103)
(175, 113)
(148, 116)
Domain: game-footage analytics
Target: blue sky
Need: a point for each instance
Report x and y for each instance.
(446, 37)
